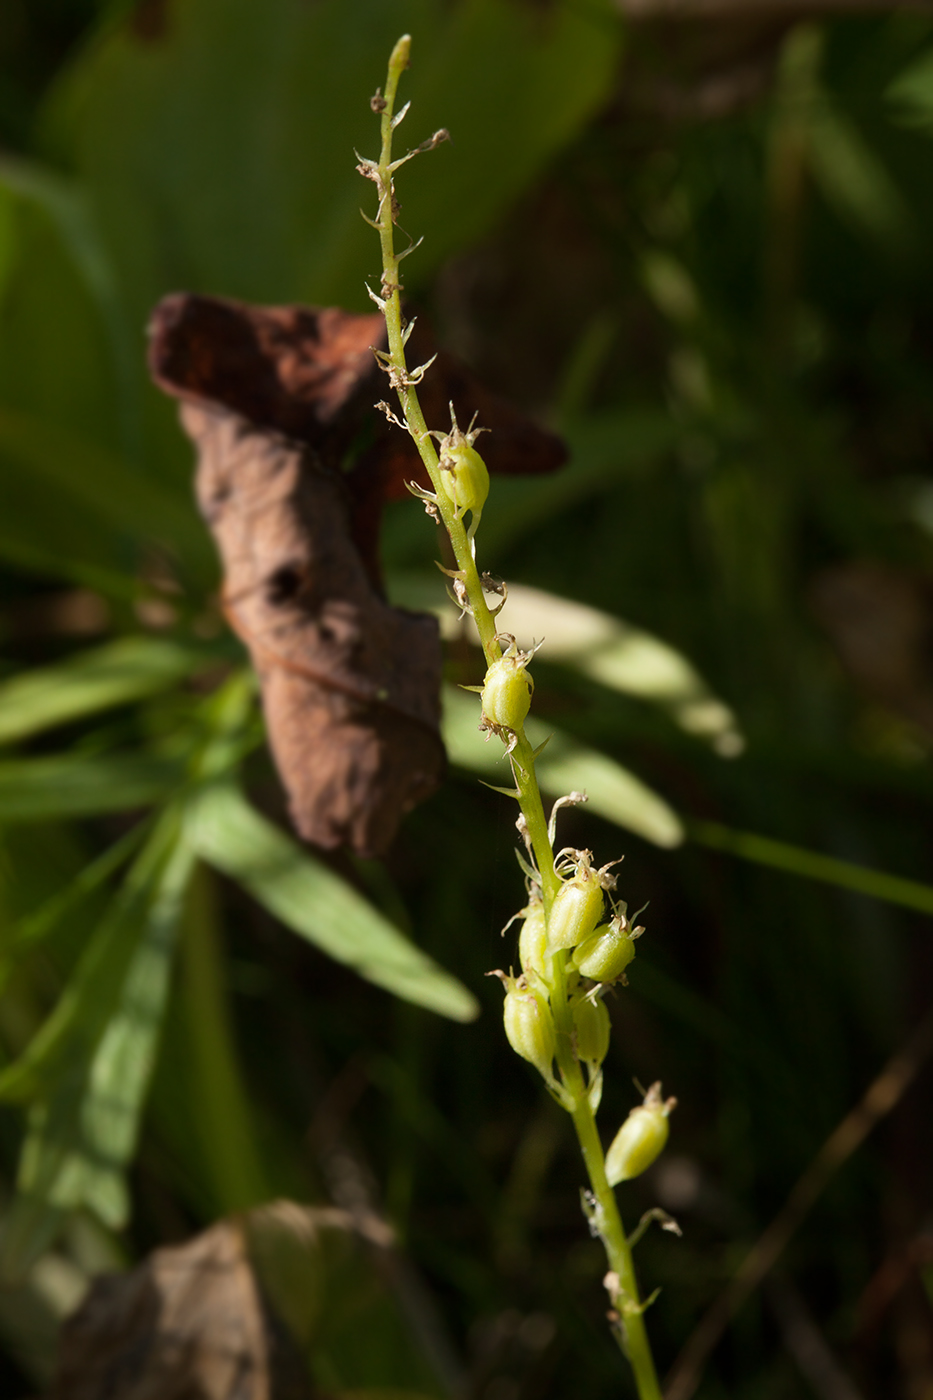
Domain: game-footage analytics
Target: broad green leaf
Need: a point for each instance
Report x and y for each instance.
(101, 483)
(88, 1069)
(310, 899)
(73, 392)
(91, 681)
(82, 785)
(65, 356)
(564, 766)
(220, 155)
(64, 202)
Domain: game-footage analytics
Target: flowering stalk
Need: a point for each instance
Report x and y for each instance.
(554, 1013)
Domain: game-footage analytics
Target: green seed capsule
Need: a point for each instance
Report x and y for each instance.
(507, 692)
(532, 941)
(576, 910)
(529, 1028)
(591, 1028)
(640, 1139)
(606, 954)
(464, 474)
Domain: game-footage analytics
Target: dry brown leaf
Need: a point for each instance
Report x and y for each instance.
(274, 397)
(189, 1323)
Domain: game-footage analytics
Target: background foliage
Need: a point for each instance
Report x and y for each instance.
(702, 252)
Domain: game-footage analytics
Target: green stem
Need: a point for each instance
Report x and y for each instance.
(632, 1335)
(402, 381)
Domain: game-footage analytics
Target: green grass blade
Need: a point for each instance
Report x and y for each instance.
(88, 1069)
(93, 680)
(300, 890)
(223, 1122)
(564, 766)
(82, 785)
(811, 865)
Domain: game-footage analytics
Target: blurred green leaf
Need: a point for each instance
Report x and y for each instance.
(310, 899)
(855, 181)
(91, 681)
(564, 766)
(221, 1118)
(41, 922)
(911, 93)
(238, 118)
(626, 659)
(100, 482)
(81, 785)
(619, 656)
(87, 1070)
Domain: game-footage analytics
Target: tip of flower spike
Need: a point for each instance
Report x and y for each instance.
(401, 54)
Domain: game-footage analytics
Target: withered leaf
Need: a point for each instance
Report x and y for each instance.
(274, 398)
(189, 1323)
(310, 373)
(350, 685)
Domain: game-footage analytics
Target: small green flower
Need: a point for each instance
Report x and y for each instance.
(529, 1026)
(578, 904)
(641, 1137)
(606, 954)
(464, 474)
(507, 691)
(532, 941)
(591, 1027)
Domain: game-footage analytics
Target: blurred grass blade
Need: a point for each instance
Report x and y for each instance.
(82, 785)
(565, 765)
(912, 93)
(298, 889)
(88, 1069)
(91, 995)
(613, 792)
(810, 865)
(854, 180)
(92, 680)
(50, 562)
(221, 1117)
(34, 927)
(624, 658)
(619, 656)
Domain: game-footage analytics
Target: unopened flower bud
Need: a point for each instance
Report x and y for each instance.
(507, 692)
(532, 941)
(606, 954)
(529, 1027)
(640, 1139)
(577, 907)
(591, 1029)
(464, 475)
